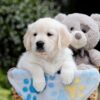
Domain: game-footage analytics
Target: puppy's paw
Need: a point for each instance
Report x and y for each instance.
(39, 85)
(67, 77)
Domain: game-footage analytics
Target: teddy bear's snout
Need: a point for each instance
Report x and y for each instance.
(78, 36)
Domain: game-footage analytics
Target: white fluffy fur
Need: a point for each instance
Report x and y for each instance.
(56, 56)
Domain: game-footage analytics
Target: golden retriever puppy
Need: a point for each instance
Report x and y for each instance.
(46, 42)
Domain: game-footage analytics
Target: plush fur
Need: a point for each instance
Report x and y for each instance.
(52, 57)
(86, 35)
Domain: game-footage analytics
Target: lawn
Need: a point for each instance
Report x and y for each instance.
(5, 94)
(5, 88)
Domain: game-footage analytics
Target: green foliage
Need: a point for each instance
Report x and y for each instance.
(15, 15)
(5, 94)
(3, 80)
(5, 91)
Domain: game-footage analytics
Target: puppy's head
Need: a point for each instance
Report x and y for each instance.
(45, 36)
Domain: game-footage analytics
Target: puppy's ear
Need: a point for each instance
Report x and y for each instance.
(64, 38)
(27, 38)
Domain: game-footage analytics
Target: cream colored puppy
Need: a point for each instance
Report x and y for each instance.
(46, 42)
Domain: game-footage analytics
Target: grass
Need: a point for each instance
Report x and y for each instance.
(5, 88)
(5, 94)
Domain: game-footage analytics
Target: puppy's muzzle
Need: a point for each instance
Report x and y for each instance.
(40, 46)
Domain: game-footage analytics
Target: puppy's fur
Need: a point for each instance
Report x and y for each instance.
(52, 56)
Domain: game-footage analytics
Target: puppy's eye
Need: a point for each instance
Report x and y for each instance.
(72, 28)
(49, 34)
(35, 34)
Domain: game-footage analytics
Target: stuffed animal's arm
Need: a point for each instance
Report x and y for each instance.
(95, 57)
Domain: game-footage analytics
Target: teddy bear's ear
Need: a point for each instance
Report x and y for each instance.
(60, 17)
(96, 18)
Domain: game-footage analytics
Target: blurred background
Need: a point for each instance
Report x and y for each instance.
(15, 15)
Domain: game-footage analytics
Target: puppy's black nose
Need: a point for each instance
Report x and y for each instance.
(40, 44)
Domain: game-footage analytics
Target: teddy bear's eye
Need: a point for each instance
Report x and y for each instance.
(72, 28)
(83, 30)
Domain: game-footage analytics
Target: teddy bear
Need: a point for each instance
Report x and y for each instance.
(86, 35)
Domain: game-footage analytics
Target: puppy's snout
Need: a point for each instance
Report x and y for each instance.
(40, 44)
(78, 36)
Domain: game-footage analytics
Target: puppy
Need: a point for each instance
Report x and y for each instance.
(46, 42)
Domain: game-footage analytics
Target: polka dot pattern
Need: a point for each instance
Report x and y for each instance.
(54, 89)
(52, 77)
(26, 81)
(29, 97)
(51, 85)
(25, 89)
(29, 90)
(34, 98)
(32, 89)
